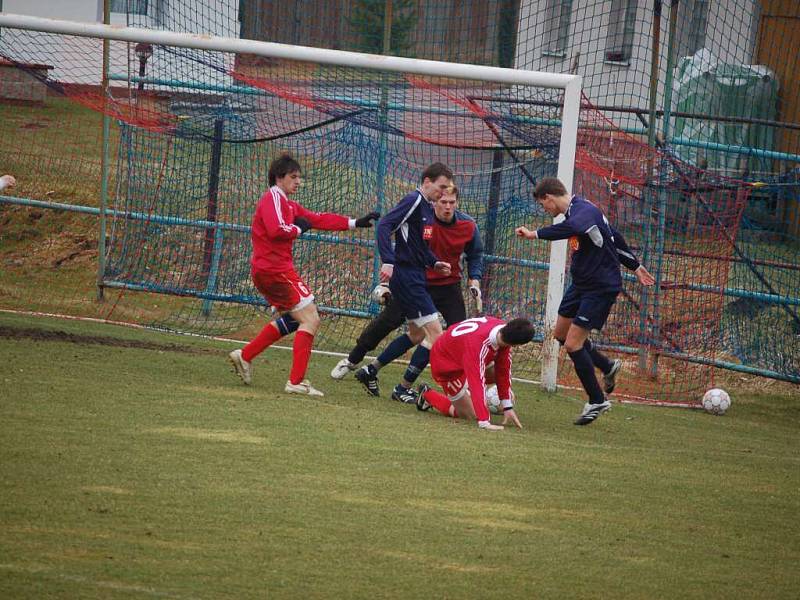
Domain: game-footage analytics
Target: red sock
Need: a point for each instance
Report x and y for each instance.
(440, 402)
(301, 352)
(266, 337)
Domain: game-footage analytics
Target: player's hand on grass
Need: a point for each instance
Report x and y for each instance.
(510, 416)
(644, 276)
(386, 272)
(303, 224)
(526, 233)
(7, 181)
(367, 219)
(441, 267)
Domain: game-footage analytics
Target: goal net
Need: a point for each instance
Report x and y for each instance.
(194, 122)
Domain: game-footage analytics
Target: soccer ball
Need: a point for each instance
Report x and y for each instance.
(716, 401)
(493, 400)
(381, 293)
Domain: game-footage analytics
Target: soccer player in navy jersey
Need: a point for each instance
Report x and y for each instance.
(598, 250)
(405, 264)
(454, 234)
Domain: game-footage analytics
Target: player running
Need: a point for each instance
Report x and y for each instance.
(277, 223)
(404, 266)
(598, 250)
(461, 362)
(454, 234)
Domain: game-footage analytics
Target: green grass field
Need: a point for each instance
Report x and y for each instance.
(135, 465)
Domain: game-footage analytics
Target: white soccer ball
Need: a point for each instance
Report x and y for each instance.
(381, 293)
(716, 401)
(493, 400)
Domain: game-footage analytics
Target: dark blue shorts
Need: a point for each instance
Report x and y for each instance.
(409, 289)
(587, 309)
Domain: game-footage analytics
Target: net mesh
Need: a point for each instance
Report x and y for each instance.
(193, 132)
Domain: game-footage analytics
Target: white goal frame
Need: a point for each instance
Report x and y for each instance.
(571, 84)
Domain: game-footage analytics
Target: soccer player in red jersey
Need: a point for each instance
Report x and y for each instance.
(277, 223)
(461, 362)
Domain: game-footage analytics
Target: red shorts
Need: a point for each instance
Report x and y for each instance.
(454, 389)
(284, 291)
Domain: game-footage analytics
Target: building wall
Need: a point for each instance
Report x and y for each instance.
(80, 60)
(627, 84)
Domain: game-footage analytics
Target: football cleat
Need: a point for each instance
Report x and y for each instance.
(423, 404)
(592, 411)
(240, 366)
(304, 387)
(610, 378)
(342, 368)
(368, 377)
(404, 394)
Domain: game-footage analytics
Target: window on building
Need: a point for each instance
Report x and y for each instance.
(133, 7)
(621, 29)
(557, 26)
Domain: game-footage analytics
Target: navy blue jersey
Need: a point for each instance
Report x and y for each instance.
(412, 223)
(598, 249)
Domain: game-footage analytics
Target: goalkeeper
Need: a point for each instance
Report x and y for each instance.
(598, 250)
(277, 223)
(454, 234)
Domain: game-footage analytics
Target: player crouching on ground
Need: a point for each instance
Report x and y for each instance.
(460, 359)
(277, 223)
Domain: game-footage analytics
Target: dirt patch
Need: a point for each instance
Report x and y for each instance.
(43, 335)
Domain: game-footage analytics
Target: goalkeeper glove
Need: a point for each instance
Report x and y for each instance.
(367, 219)
(475, 291)
(303, 224)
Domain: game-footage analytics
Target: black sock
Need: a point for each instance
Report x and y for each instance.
(419, 360)
(598, 359)
(585, 371)
(357, 354)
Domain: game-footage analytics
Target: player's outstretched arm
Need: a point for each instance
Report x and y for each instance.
(526, 233)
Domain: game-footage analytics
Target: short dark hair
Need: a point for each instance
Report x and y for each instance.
(517, 332)
(436, 170)
(282, 166)
(549, 185)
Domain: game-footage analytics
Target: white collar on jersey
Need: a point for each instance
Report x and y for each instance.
(493, 336)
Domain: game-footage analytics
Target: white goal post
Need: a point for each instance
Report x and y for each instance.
(571, 84)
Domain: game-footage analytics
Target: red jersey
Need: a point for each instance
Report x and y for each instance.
(273, 231)
(465, 349)
(449, 241)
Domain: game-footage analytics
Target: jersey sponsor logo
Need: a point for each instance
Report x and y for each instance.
(574, 243)
(427, 232)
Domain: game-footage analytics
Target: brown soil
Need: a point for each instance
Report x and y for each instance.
(52, 335)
